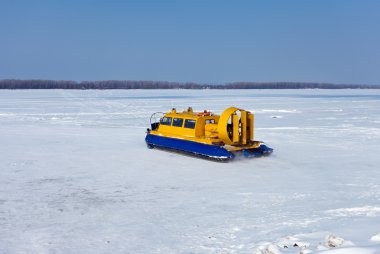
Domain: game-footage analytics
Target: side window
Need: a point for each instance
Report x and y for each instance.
(166, 121)
(177, 122)
(210, 121)
(189, 123)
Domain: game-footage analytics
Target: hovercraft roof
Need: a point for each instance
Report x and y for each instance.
(189, 113)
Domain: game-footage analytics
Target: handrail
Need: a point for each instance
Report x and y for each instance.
(153, 115)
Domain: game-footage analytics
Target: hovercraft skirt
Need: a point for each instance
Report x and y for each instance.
(262, 150)
(211, 151)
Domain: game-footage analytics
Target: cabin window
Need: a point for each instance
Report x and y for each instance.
(166, 121)
(177, 122)
(189, 123)
(210, 121)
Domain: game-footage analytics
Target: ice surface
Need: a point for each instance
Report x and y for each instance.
(76, 176)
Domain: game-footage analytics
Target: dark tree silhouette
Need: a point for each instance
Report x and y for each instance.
(144, 84)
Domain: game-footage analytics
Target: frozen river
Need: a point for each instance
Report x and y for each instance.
(76, 176)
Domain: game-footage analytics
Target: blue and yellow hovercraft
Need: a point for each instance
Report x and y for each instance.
(206, 134)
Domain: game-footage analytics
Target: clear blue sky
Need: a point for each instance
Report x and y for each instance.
(203, 41)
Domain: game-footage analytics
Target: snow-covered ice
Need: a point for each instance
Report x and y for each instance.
(76, 176)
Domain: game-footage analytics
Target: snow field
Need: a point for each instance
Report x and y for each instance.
(76, 177)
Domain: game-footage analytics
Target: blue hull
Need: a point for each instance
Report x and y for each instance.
(212, 151)
(262, 150)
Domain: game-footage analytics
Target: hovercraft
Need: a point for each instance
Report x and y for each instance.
(206, 134)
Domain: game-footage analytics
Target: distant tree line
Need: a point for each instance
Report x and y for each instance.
(132, 84)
